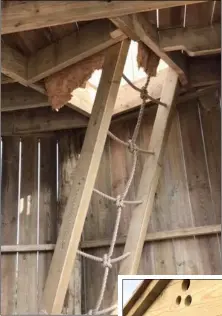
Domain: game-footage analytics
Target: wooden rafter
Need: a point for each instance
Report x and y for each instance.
(32, 121)
(17, 97)
(91, 39)
(139, 28)
(14, 65)
(27, 15)
(149, 179)
(83, 183)
(5, 79)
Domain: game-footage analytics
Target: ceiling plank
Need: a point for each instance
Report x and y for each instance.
(91, 39)
(194, 41)
(139, 28)
(20, 16)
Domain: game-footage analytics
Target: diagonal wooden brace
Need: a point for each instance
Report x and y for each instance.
(149, 180)
(84, 180)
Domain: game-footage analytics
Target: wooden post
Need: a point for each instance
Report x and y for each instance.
(149, 180)
(84, 179)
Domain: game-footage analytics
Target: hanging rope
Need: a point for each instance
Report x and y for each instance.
(120, 201)
(107, 261)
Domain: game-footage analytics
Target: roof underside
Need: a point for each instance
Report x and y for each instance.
(30, 42)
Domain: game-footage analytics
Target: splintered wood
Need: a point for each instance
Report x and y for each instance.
(60, 86)
(147, 59)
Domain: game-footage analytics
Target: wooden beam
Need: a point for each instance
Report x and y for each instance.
(20, 16)
(32, 121)
(26, 122)
(91, 39)
(14, 65)
(158, 236)
(5, 79)
(150, 237)
(83, 182)
(18, 97)
(147, 298)
(139, 28)
(149, 179)
(194, 41)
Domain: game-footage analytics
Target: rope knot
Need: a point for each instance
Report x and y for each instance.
(90, 312)
(119, 201)
(107, 261)
(144, 94)
(132, 146)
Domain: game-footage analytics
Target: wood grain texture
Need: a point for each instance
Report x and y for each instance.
(47, 207)
(199, 185)
(20, 16)
(206, 295)
(171, 17)
(199, 14)
(68, 159)
(9, 204)
(85, 176)
(91, 39)
(27, 263)
(194, 41)
(138, 27)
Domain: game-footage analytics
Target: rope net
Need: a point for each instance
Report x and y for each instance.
(107, 260)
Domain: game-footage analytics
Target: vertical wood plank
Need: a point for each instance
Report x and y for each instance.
(147, 262)
(27, 262)
(174, 203)
(10, 172)
(198, 183)
(149, 178)
(68, 156)
(171, 17)
(199, 14)
(211, 134)
(47, 207)
(216, 18)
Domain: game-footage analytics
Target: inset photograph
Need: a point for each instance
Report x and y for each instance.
(173, 297)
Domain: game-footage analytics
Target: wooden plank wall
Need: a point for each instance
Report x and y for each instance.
(188, 195)
(28, 217)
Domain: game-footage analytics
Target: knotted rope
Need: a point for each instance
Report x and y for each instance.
(107, 260)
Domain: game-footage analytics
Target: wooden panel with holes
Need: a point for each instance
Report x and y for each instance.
(189, 297)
